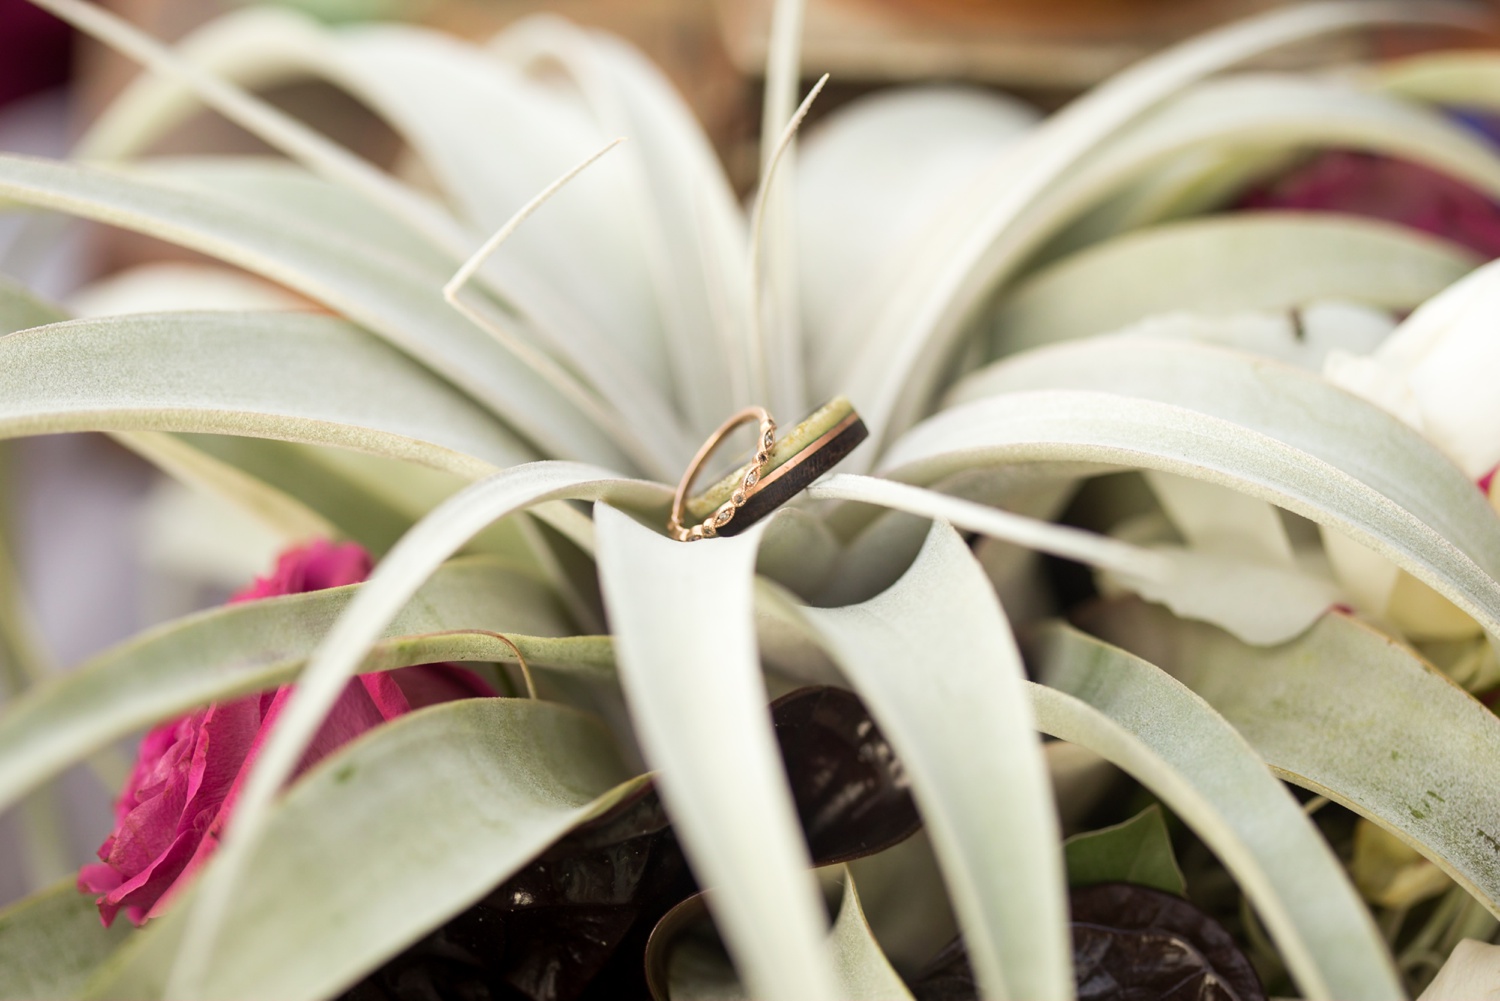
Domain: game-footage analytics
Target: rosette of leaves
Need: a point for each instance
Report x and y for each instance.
(1285, 560)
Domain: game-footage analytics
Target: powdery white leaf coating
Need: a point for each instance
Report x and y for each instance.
(1327, 709)
(1170, 740)
(229, 651)
(935, 661)
(1222, 266)
(683, 618)
(292, 376)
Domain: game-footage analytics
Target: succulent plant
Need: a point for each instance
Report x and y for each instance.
(499, 355)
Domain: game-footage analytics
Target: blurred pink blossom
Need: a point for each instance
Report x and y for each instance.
(188, 772)
(1382, 188)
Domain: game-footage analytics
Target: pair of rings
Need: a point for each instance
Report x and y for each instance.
(778, 471)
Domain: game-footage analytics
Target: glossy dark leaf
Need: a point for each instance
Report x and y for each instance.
(851, 791)
(574, 924)
(1134, 942)
(571, 926)
(1130, 943)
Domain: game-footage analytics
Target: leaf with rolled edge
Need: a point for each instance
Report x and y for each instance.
(228, 372)
(683, 620)
(385, 839)
(1138, 850)
(1472, 971)
(1356, 717)
(934, 660)
(395, 580)
(1205, 413)
(283, 508)
(51, 942)
(396, 299)
(254, 645)
(1222, 264)
(1176, 745)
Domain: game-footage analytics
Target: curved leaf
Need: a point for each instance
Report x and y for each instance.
(1035, 534)
(246, 647)
(285, 375)
(1221, 264)
(393, 297)
(462, 112)
(935, 661)
(1356, 717)
(397, 578)
(687, 215)
(1174, 743)
(1203, 412)
(434, 808)
(871, 175)
(682, 615)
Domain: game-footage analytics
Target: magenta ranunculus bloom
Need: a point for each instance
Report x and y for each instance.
(1383, 188)
(188, 772)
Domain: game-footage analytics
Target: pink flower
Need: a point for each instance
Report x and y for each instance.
(1382, 188)
(188, 771)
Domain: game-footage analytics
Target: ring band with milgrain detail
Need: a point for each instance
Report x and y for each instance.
(808, 451)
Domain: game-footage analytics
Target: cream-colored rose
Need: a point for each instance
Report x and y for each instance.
(1437, 371)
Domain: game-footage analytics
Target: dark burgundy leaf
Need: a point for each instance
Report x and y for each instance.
(574, 924)
(851, 791)
(1130, 943)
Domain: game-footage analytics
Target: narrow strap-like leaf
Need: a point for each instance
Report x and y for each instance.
(1175, 744)
(292, 376)
(390, 296)
(934, 659)
(1370, 476)
(1221, 264)
(1324, 709)
(228, 651)
(683, 620)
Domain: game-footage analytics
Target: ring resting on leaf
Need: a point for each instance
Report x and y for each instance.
(778, 471)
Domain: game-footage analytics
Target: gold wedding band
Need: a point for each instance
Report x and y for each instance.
(779, 470)
(715, 522)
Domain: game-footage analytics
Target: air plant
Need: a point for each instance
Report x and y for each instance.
(1278, 482)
